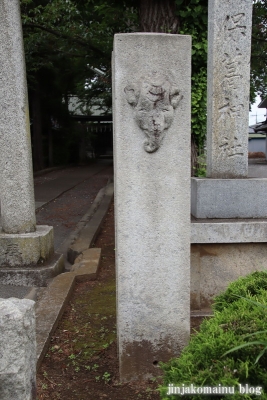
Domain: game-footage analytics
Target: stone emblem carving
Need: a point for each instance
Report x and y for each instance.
(154, 99)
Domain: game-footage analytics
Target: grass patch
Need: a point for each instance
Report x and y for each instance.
(204, 363)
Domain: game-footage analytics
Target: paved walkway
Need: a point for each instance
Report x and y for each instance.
(49, 186)
(257, 168)
(62, 198)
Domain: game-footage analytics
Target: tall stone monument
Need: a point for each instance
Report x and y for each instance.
(22, 244)
(229, 42)
(227, 192)
(229, 231)
(151, 97)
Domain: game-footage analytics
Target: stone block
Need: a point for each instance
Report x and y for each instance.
(229, 198)
(151, 90)
(18, 350)
(26, 249)
(228, 231)
(34, 275)
(214, 266)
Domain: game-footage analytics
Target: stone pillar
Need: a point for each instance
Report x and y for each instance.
(16, 183)
(151, 100)
(26, 251)
(229, 42)
(18, 349)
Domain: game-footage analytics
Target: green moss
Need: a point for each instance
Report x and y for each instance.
(94, 319)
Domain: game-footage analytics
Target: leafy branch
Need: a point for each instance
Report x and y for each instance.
(75, 39)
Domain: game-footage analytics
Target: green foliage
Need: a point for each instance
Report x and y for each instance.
(76, 33)
(199, 106)
(250, 285)
(200, 170)
(258, 74)
(194, 22)
(71, 38)
(205, 361)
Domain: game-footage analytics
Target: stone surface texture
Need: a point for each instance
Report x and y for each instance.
(36, 275)
(16, 183)
(229, 42)
(229, 198)
(214, 266)
(152, 198)
(18, 350)
(26, 249)
(229, 231)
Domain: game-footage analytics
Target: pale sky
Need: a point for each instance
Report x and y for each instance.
(257, 114)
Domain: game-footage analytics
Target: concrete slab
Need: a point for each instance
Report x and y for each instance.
(39, 204)
(50, 306)
(215, 265)
(55, 186)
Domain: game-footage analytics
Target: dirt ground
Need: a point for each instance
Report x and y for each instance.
(82, 361)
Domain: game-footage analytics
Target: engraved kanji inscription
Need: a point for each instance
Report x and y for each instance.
(231, 147)
(234, 25)
(13, 254)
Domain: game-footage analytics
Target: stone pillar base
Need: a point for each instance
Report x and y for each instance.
(28, 259)
(35, 275)
(221, 252)
(26, 249)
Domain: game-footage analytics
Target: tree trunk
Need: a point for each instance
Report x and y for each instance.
(158, 16)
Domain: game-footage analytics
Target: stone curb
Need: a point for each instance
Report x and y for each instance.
(51, 305)
(91, 223)
(64, 247)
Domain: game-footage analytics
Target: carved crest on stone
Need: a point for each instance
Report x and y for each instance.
(154, 99)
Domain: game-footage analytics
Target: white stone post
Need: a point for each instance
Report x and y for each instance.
(229, 42)
(151, 100)
(16, 183)
(18, 350)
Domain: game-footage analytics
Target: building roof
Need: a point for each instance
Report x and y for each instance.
(263, 103)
